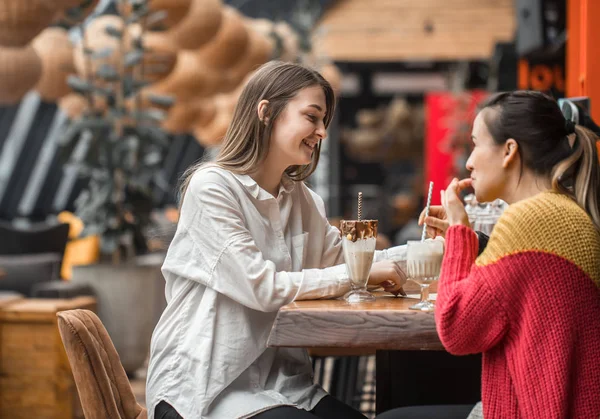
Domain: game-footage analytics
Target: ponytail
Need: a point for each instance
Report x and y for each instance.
(582, 170)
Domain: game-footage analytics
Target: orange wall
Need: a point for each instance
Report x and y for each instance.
(583, 51)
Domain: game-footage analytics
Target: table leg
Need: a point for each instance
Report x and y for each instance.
(410, 378)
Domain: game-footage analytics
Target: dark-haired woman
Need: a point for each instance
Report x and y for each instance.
(531, 301)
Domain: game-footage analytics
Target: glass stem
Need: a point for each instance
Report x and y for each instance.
(424, 292)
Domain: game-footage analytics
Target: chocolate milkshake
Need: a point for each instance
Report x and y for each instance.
(358, 241)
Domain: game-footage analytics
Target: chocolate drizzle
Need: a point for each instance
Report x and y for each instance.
(354, 230)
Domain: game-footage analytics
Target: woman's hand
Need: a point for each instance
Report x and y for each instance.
(453, 205)
(437, 221)
(388, 275)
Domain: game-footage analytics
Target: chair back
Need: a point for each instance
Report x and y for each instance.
(103, 386)
(39, 238)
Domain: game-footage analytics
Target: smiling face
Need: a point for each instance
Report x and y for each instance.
(487, 161)
(299, 128)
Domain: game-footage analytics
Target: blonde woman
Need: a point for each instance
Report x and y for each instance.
(252, 237)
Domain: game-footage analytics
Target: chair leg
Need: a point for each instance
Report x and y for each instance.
(351, 386)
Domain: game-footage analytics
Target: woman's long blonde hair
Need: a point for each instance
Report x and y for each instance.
(246, 143)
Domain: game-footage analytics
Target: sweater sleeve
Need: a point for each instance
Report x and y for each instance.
(468, 318)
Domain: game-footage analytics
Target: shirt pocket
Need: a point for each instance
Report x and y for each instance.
(299, 243)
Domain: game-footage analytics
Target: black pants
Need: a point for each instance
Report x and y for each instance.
(164, 410)
(327, 408)
(429, 412)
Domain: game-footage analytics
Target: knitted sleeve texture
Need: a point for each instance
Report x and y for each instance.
(536, 245)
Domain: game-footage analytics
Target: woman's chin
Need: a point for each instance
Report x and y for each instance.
(479, 196)
(484, 197)
(305, 160)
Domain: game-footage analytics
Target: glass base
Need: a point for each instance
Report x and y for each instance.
(423, 306)
(359, 296)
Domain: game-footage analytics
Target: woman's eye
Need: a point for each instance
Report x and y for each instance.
(312, 118)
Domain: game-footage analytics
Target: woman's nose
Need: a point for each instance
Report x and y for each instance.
(321, 131)
(469, 164)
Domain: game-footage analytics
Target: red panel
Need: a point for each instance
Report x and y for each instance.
(449, 119)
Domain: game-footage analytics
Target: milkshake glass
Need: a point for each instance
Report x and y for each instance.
(358, 242)
(423, 265)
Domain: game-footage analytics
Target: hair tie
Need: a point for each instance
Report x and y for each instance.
(569, 127)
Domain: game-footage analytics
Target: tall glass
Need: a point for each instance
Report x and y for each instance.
(358, 242)
(423, 264)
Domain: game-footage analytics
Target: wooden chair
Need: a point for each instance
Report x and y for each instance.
(103, 386)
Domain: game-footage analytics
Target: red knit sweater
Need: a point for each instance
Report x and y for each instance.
(531, 304)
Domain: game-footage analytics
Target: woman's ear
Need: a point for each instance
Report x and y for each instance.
(263, 111)
(511, 152)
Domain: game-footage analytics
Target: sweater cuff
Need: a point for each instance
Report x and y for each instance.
(461, 251)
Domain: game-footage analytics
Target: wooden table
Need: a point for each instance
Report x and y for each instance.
(387, 323)
(405, 341)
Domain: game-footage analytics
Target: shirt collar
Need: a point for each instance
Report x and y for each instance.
(287, 185)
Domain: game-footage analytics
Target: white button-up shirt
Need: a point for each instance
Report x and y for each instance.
(240, 254)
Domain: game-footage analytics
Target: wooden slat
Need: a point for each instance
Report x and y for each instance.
(386, 323)
(33, 309)
(386, 30)
(35, 375)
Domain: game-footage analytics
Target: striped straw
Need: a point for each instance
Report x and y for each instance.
(359, 206)
(427, 211)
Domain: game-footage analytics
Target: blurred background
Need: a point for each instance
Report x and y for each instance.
(105, 103)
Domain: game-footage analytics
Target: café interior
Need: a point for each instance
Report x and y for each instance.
(104, 105)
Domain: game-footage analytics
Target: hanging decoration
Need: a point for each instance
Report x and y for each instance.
(199, 25)
(184, 116)
(190, 79)
(160, 53)
(260, 50)
(74, 12)
(54, 48)
(22, 20)
(229, 44)
(20, 70)
(212, 133)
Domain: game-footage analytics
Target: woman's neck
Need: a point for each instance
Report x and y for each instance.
(527, 186)
(268, 176)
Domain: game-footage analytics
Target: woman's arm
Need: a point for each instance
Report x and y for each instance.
(214, 248)
(395, 254)
(468, 317)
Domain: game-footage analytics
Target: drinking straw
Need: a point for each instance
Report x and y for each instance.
(359, 206)
(427, 211)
